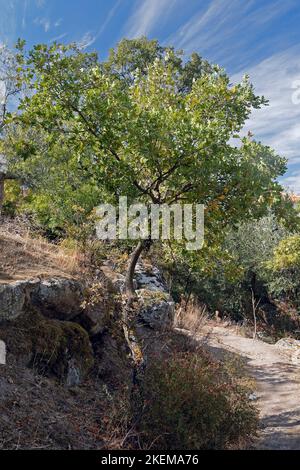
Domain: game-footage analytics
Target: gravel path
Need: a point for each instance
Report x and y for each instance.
(278, 385)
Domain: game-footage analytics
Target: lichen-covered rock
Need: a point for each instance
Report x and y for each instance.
(55, 298)
(13, 297)
(58, 298)
(149, 277)
(157, 309)
(100, 307)
(52, 347)
(291, 348)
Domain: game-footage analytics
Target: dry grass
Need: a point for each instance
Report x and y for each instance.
(25, 253)
(191, 316)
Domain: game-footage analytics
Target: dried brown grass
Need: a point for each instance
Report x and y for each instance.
(25, 252)
(191, 316)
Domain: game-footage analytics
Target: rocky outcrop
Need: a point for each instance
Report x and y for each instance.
(157, 309)
(35, 323)
(13, 297)
(52, 347)
(49, 324)
(291, 348)
(57, 298)
(149, 277)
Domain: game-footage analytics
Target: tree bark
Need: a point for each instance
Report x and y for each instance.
(129, 286)
(1, 192)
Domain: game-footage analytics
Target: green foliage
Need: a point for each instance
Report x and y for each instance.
(287, 253)
(132, 55)
(284, 269)
(13, 196)
(190, 402)
(84, 136)
(226, 277)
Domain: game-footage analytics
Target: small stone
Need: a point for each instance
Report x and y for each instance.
(2, 353)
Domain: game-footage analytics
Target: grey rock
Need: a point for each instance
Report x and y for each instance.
(150, 278)
(13, 297)
(291, 348)
(2, 353)
(58, 298)
(157, 309)
(74, 374)
(55, 298)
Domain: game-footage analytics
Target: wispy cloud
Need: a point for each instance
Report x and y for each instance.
(89, 38)
(292, 182)
(278, 125)
(58, 38)
(148, 14)
(108, 18)
(8, 21)
(44, 22)
(57, 23)
(86, 40)
(25, 7)
(223, 29)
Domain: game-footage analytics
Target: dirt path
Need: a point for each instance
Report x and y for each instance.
(278, 385)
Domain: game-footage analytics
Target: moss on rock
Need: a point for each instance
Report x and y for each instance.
(52, 347)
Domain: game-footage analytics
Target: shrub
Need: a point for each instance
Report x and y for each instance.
(189, 402)
(284, 269)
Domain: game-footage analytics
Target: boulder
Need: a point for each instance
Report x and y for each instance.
(51, 347)
(58, 298)
(55, 298)
(13, 297)
(149, 277)
(291, 348)
(157, 309)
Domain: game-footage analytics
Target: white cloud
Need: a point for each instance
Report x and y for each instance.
(108, 18)
(88, 38)
(58, 38)
(8, 23)
(223, 29)
(58, 23)
(44, 22)
(292, 181)
(25, 7)
(278, 125)
(148, 14)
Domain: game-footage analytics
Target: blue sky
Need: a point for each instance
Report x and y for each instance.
(258, 37)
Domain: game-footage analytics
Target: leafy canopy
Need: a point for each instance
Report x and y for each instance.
(142, 124)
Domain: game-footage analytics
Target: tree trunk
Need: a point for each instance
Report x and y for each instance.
(129, 286)
(1, 192)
